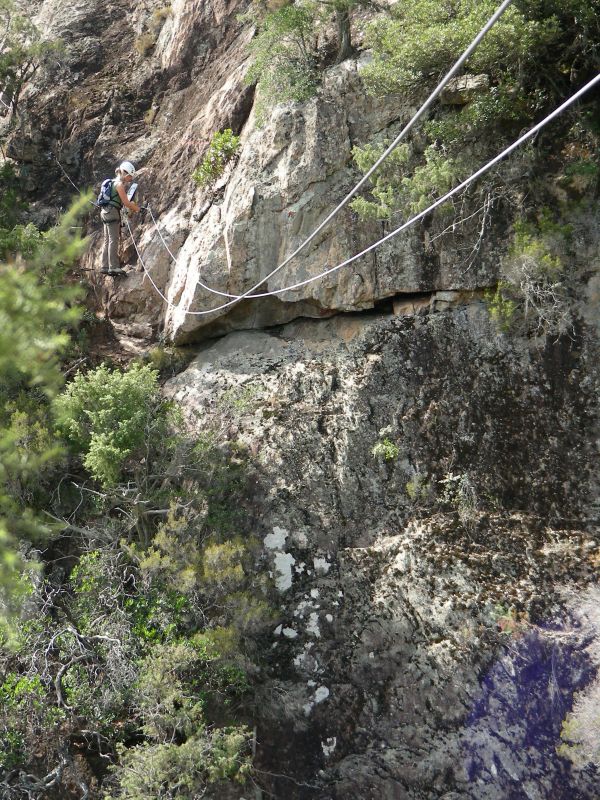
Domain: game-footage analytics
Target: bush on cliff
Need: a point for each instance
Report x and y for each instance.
(534, 56)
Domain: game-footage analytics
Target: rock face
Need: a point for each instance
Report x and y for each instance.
(152, 83)
(463, 89)
(428, 485)
(427, 646)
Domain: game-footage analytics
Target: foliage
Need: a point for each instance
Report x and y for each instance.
(500, 306)
(493, 114)
(22, 50)
(385, 183)
(240, 399)
(35, 316)
(580, 732)
(167, 361)
(292, 46)
(106, 415)
(531, 58)
(385, 449)
(533, 276)
(508, 621)
(222, 148)
(11, 202)
(418, 488)
(168, 771)
(581, 728)
(144, 652)
(393, 188)
(459, 492)
(421, 40)
(284, 55)
(148, 595)
(146, 41)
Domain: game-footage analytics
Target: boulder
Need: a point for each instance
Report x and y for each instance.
(464, 89)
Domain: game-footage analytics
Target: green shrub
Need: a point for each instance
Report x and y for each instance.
(418, 488)
(223, 565)
(12, 749)
(181, 772)
(421, 40)
(402, 183)
(107, 416)
(500, 305)
(527, 58)
(533, 276)
(168, 361)
(166, 695)
(385, 449)
(580, 732)
(460, 493)
(35, 316)
(11, 203)
(222, 148)
(284, 56)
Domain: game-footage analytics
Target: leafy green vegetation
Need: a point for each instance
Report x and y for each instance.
(393, 189)
(292, 47)
(127, 560)
(222, 148)
(385, 449)
(580, 730)
(533, 288)
(165, 771)
(501, 307)
(532, 58)
(284, 55)
(418, 42)
(459, 492)
(144, 651)
(109, 416)
(35, 318)
(22, 53)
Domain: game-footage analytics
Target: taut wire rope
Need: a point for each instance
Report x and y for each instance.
(528, 135)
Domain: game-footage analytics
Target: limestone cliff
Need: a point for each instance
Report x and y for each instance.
(424, 650)
(153, 84)
(427, 482)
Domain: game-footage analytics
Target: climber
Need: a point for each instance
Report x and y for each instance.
(112, 197)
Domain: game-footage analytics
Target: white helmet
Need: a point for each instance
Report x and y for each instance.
(127, 166)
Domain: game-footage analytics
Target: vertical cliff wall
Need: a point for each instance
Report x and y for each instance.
(427, 480)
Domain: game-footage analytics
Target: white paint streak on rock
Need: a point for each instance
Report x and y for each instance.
(283, 564)
(312, 626)
(328, 746)
(322, 566)
(276, 540)
(321, 694)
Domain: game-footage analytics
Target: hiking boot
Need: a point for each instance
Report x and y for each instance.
(116, 272)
